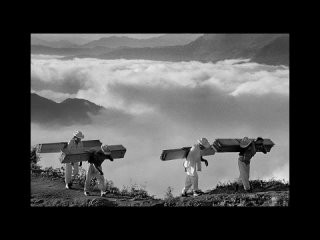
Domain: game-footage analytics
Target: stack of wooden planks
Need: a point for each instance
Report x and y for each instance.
(221, 144)
(233, 144)
(68, 156)
(57, 147)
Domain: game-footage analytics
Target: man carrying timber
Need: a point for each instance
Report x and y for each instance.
(192, 164)
(74, 144)
(96, 158)
(248, 150)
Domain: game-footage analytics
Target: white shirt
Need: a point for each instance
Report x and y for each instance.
(74, 147)
(193, 161)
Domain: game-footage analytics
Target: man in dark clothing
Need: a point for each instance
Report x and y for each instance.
(97, 156)
(248, 150)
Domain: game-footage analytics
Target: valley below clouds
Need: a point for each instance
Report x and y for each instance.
(155, 105)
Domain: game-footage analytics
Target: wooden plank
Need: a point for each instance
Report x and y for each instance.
(74, 157)
(180, 153)
(221, 144)
(67, 156)
(233, 145)
(50, 147)
(57, 147)
(171, 154)
(208, 152)
(117, 151)
(91, 143)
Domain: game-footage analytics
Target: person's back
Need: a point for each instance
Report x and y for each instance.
(247, 153)
(193, 160)
(96, 158)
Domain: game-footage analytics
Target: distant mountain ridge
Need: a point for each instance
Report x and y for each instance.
(53, 44)
(161, 41)
(215, 47)
(272, 49)
(68, 112)
(210, 47)
(105, 45)
(120, 42)
(95, 51)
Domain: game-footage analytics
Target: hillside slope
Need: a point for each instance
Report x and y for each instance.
(274, 53)
(48, 192)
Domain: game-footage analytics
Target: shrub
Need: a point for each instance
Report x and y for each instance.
(168, 193)
(81, 177)
(258, 185)
(110, 186)
(134, 191)
(94, 186)
(34, 159)
(57, 173)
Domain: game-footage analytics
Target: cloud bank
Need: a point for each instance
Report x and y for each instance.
(167, 105)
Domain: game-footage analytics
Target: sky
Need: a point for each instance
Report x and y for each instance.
(157, 105)
(84, 38)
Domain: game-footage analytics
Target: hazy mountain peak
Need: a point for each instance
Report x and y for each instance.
(54, 44)
(69, 111)
(160, 41)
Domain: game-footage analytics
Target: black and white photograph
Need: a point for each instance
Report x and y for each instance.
(159, 120)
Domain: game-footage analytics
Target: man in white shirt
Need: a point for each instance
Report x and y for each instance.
(192, 164)
(74, 144)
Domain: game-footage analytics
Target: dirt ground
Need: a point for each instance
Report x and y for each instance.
(46, 192)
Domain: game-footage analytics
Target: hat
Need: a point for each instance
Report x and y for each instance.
(204, 142)
(260, 139)
(78, 134)
(105, 149)
(245, 142)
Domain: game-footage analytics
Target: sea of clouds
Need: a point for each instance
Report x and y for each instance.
(157, 105)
